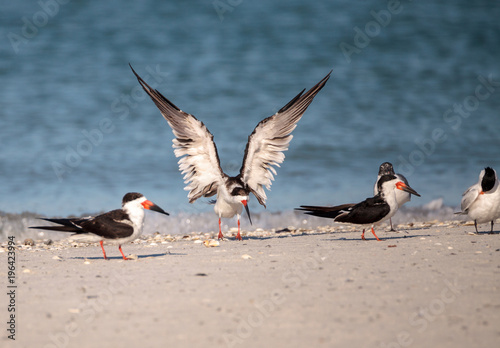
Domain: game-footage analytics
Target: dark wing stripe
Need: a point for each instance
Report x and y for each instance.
(291, 102)
(297, 108)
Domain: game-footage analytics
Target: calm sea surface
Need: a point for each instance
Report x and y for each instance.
(416, 84)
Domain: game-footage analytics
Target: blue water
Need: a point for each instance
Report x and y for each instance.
(77, 132)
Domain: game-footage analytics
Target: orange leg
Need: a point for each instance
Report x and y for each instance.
(103, 251)
(373, 231)
(363, 235)
(221, 236)
(238, 236)
(120, 248)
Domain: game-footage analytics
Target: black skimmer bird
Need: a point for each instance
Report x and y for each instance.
(482, 200)
(200, 163)
(401, 196)
(115, 227)
(369, 212)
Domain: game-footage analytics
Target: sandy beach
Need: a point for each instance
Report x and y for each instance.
(434, 285)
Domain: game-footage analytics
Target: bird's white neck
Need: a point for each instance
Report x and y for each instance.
(226, 205)
(135, 214)
(389, 195)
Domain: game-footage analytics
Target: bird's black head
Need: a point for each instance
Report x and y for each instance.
(489, 179)
(386, 169)
(398, 184)
(130, 197)
(239, 191)
(237, 187)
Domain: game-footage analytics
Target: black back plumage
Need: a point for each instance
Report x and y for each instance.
(369, 211)
(108, 225)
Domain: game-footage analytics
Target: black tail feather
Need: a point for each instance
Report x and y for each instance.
(72, 229)
(68, 225)
(64, 222)
(326, 212)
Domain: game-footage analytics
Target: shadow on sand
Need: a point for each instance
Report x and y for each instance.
(121, 258)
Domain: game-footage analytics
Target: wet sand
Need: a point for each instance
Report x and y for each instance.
(434, 285)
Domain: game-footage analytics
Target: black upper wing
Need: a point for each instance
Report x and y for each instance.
(109, 225)
(370, 210)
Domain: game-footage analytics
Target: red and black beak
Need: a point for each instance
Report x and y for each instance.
(245, 204)
(151, 206)
(403, 187)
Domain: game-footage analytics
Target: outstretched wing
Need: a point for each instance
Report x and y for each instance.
(270, 139)
(199, 162)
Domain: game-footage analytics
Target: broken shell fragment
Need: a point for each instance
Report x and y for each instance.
(211, 243)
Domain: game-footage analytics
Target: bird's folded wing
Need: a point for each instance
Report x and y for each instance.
(111, 225)
(368, 211)
(469, 197)
(199, 162)
(270, 139)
